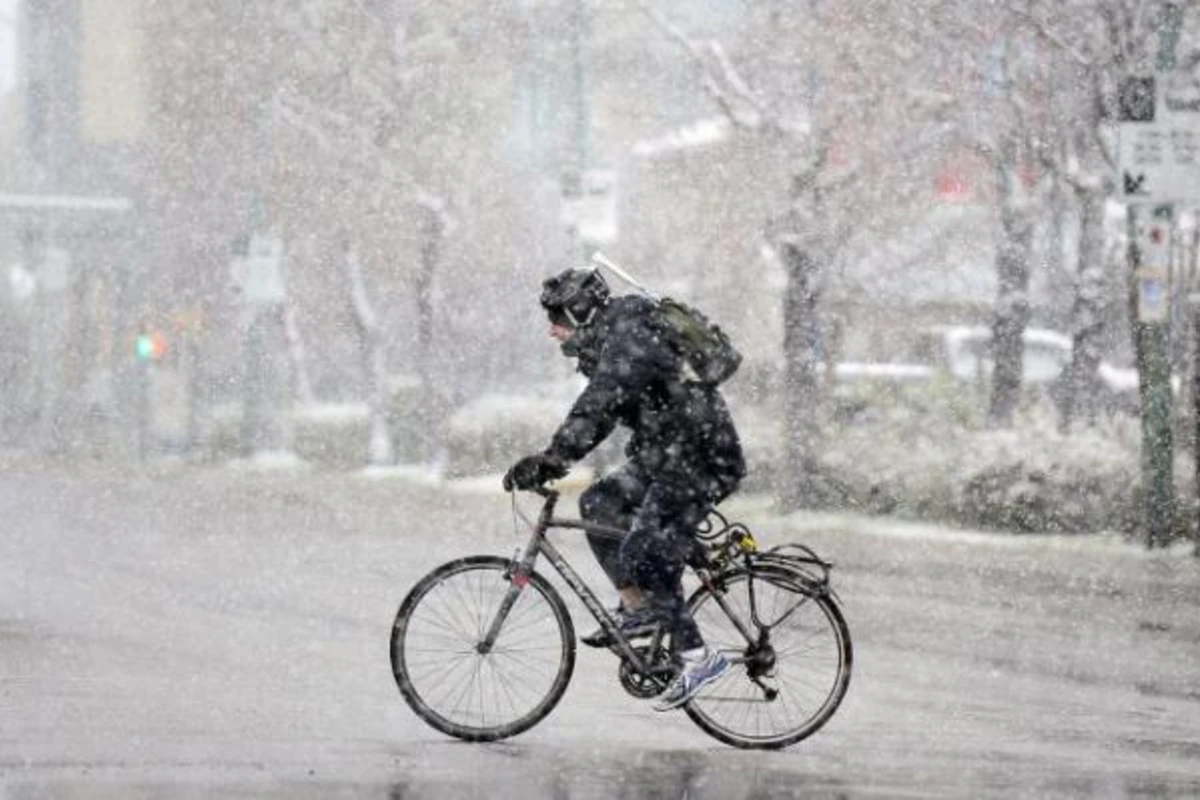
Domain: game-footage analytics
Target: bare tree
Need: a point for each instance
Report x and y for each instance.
(824, 103)
(1012, 309)
(314, 117)
(1002, 114)
(374, 362)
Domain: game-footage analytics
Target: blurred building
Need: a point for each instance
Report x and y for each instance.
(67, 201)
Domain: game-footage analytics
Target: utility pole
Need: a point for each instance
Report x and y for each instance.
(1194, 308)
(1148, 152)
(1151, 340)
(1156, 417)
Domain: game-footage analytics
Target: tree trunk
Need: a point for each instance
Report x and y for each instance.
(1062, 280)
(1012, 303)
(1087, 313)
(374, 364)
(801, 391)
(301, 383)
(432, 230)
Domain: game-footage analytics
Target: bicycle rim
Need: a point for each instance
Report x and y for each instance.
(811, 674)
(472, 695)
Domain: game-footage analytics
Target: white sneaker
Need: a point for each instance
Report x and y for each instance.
(694, 677)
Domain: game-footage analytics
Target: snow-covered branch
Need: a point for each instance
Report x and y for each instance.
(1043, 30)
(341, 137)
(374, 361)
(734, 96)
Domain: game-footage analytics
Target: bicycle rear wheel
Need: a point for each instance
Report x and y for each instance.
(802, 673)
(437, 660)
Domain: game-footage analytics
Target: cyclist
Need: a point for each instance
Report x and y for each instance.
(684, 456)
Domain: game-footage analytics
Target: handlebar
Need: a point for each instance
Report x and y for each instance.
(551, 500)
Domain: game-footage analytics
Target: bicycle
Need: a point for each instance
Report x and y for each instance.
(489, 618)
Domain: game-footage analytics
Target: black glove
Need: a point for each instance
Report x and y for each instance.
(533, 471)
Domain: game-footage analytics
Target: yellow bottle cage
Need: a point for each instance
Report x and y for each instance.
(747, 543)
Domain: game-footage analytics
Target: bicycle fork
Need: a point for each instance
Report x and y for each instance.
(518, 572)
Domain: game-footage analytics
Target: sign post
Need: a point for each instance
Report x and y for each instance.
(1194, 308)
(258, 276)
(1159, 160)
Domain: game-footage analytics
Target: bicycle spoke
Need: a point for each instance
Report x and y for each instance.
(427, 666)
(513, 689)
(480, 620)
(445, 681)
(445, 620)
(524, 662)
(434, 666)
(467, 690)
(459, 622)
(819, 690)
(505, 687)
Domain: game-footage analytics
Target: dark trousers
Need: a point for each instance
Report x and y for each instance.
(660, 516)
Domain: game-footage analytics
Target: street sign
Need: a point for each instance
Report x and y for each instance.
(1153, 281)
(1159, 132)
(1153, 296)
(258, 274)
(1154, 241)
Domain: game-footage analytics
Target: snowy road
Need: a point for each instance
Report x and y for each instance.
(215, 633)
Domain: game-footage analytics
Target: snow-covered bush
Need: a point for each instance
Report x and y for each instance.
(1034, 479)
(404, 396)
(920, 451)
(332, 435)
(490, 433)
(934, 461)
(220, 433)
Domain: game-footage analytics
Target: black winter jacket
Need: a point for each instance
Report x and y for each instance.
(681, 431)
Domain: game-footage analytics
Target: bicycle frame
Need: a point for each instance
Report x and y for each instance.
(539, 544)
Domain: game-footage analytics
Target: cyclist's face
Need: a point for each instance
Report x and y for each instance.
(560, 332)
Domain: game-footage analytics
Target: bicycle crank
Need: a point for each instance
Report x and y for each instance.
(640, 684)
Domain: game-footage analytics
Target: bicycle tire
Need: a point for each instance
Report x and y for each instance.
(825, 616)
(412, 674)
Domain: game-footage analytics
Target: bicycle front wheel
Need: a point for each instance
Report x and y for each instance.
(473, 692)
(788, 683)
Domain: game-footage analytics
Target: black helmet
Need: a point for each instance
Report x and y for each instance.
(572, 297)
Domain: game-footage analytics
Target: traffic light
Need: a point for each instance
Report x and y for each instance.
(150, 346)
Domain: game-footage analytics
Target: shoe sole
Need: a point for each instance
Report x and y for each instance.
(683, 701)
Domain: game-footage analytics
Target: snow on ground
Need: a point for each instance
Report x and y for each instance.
(223, 632)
